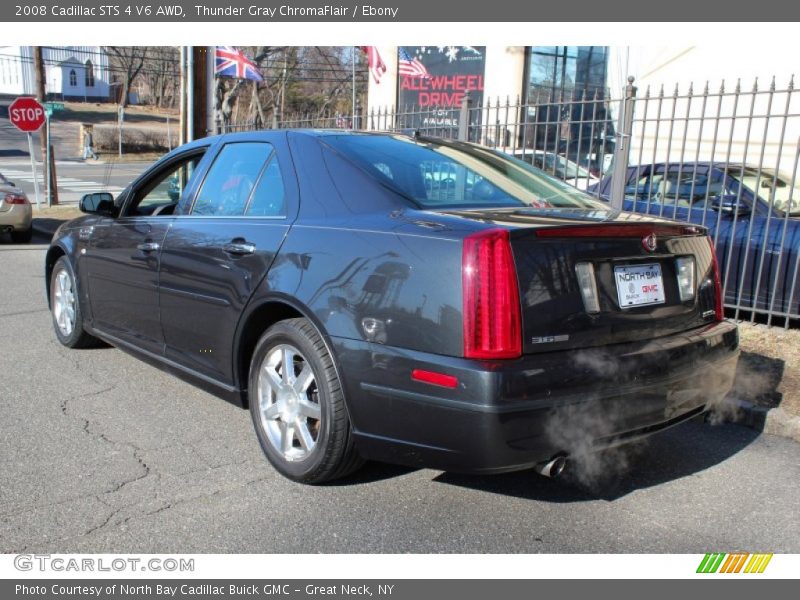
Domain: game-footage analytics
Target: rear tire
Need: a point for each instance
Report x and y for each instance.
(65, 308)
(299, 412)
(22, 237)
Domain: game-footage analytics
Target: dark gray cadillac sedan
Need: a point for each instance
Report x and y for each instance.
(398, 298)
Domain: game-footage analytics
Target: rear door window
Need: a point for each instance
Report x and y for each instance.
(269, 197)
(232, 179)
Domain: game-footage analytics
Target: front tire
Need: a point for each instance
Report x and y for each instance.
(297, 405)
(66, 309)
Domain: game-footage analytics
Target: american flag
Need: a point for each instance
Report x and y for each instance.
(231, 62)
(376, 66)
(411, 67)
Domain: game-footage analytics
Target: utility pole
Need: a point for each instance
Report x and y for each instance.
(210, 62)
(182, 134)
(190, 93)
(200, 62)
(48, 157)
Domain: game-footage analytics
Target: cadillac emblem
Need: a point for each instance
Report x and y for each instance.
(649, 242)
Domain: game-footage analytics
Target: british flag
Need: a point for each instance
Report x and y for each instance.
(231, 62)
(411, 67)
(376, 66)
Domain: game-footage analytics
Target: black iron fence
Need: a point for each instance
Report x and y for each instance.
(726, 158)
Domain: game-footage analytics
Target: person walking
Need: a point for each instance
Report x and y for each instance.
(88, 145)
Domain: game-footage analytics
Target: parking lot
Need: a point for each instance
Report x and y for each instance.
(102, 453)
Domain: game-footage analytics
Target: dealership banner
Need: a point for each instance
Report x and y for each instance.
(394, 11)
(433, 82)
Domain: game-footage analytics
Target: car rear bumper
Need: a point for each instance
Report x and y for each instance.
(510, 415)
(17, 217)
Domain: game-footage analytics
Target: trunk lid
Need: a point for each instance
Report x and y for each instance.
(548, 244)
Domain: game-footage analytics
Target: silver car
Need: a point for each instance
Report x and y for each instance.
(16, 213)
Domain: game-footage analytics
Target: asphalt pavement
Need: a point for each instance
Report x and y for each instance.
(102, 453)
(74, 178)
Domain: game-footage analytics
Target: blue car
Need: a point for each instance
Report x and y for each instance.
(757, 234)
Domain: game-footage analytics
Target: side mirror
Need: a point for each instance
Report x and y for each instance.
(728, 204)
(99, 203)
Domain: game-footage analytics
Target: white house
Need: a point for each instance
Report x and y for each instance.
(71, 72)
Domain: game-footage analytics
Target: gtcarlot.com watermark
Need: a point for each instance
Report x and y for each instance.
(99, 564)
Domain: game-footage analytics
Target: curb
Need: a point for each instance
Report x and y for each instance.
(773, 421)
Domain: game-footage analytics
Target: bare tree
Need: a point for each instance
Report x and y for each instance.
(312, 83)
(130, 60)
(160, 75)
(226, 90)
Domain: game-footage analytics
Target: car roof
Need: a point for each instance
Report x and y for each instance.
(311, 132)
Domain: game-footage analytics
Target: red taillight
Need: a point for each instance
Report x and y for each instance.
(719, 309)
(434, 378)
(492, 323)
(12, 198)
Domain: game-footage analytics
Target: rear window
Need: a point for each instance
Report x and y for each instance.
(437, 174)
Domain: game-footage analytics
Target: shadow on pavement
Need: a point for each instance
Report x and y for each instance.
(678, 452)
(372, 472)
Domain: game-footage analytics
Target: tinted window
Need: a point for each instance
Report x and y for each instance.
(165, 188)
(268, 197)
(231, 179)
(160, 192)
(437, 174)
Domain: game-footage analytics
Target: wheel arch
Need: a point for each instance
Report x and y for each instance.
(261, 316)
(53, 254)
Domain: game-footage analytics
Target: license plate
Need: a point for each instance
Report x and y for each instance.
(638, 285)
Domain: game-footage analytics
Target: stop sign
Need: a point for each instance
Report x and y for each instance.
(26, 114)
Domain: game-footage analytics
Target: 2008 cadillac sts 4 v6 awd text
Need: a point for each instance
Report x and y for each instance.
(398, 298)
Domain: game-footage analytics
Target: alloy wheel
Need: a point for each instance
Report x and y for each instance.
(64, 303)
(288, 400)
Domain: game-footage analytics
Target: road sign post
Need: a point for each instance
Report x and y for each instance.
(27, 115)
(33, 171)
(47, 114)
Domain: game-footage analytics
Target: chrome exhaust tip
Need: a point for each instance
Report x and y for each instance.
(551, 468)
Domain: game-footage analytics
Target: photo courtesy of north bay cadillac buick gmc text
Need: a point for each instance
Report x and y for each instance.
(398, 298)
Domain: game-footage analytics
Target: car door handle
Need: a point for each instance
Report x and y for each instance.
(148, 246)
(240, 248)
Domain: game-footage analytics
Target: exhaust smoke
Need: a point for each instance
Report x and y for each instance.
(756, 382)
(576, 428)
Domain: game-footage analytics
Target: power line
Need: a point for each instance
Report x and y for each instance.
(272, 63)
(299, 73)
